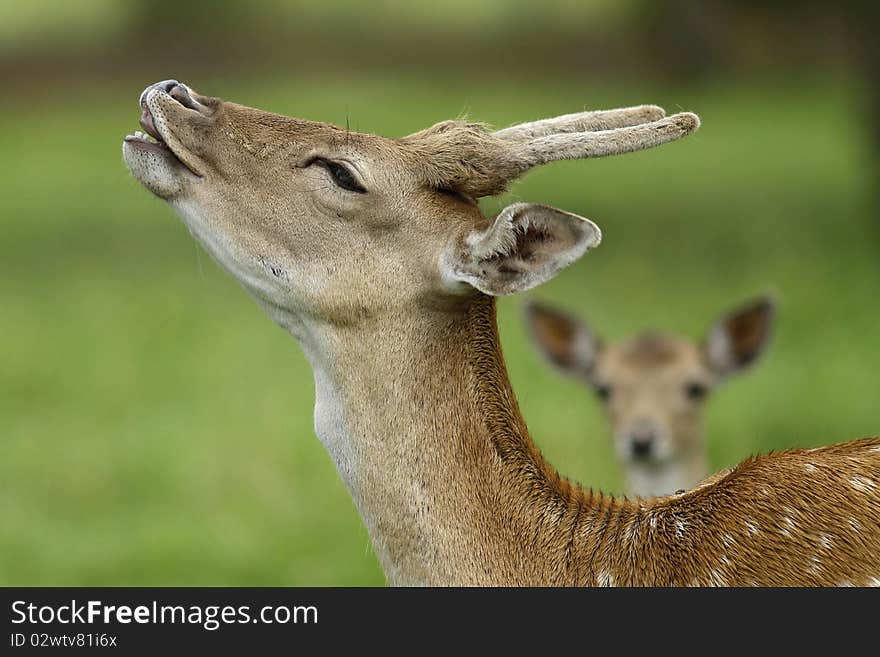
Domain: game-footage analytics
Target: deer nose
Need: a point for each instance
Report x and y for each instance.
(642, 444)
(164, 85)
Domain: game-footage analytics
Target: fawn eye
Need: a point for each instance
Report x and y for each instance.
(342, 176)
(695, 391)
(603, 392)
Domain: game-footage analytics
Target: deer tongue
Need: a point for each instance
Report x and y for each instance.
(148, 124)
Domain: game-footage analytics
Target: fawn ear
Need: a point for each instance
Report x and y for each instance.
(739, 338)
(565, 341)
(526, 245)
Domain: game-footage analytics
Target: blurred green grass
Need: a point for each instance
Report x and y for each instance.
(156, 429)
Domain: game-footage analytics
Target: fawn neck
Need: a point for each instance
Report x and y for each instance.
(682, 473)
(420, 418)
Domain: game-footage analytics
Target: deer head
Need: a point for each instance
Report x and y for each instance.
(653, 387)
(322, 223)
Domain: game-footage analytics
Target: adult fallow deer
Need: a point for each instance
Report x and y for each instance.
(373, 253)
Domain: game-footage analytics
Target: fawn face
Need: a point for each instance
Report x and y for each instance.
(653, 387)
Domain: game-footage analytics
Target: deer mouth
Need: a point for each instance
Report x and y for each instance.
(144, 141)
(153, 140)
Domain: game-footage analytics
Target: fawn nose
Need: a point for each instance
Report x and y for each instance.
(642, 443)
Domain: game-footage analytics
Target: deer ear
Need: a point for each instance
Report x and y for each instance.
(739, 339)
(565, 341)
(526, 245)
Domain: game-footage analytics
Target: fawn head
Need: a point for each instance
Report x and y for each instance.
(653, 387)
(340, 227)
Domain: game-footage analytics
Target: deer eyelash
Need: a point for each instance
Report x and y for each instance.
(341, 175)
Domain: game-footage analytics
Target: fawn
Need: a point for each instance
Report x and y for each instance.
(653, 387)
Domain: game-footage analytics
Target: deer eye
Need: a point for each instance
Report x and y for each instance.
(342, 176)
(695, 391)
(603, 392)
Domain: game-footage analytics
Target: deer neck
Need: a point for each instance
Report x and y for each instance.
(420, 418)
